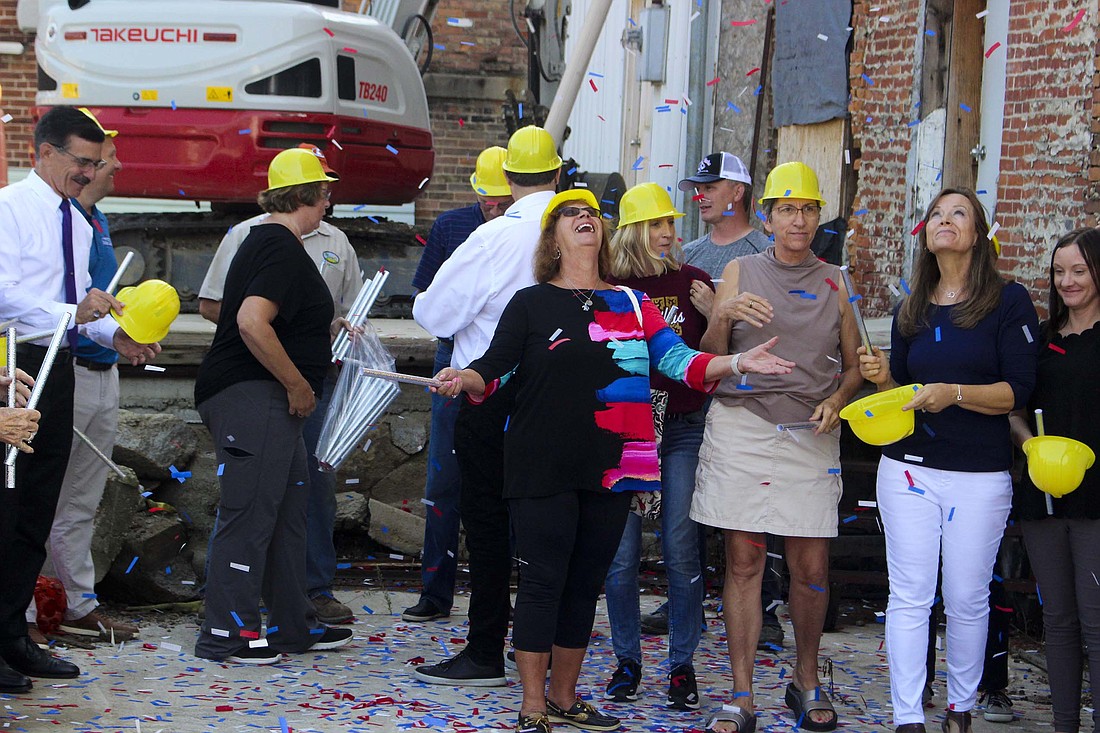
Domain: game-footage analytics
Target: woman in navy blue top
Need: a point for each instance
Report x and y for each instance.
(969, 338)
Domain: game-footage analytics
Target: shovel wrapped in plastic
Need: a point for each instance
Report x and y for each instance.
(358, 401)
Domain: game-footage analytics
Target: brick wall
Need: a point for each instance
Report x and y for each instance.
(1050, 158)
(489, 49)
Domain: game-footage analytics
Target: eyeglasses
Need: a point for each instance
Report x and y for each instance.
(790, 211)
(82, 163)
(572, 211)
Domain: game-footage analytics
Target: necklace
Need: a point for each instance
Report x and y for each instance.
(951, 294)
(584, 300)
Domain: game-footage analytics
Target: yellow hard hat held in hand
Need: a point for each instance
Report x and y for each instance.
(151, 307)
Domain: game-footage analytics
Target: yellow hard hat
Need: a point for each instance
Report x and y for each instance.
(150, 309)
(1057, 465)
(572, 194)
(792, 181)
(293, 167)
(645, 202)
(531, 150)
(488, 176)
(88, 112)
(878, 419)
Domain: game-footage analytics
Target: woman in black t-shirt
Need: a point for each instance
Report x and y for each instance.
(255, 388)
(1063, 543)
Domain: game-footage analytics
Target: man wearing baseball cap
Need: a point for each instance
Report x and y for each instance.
(335, 258)
(722, 188)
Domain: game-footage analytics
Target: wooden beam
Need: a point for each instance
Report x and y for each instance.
(964, 93)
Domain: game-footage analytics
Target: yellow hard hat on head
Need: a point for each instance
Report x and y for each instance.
(488, 176)
(293, 167)
(645, 202)
(572, 194)
(88, 113)
(792, 181)
(150, 309)
(531, 150)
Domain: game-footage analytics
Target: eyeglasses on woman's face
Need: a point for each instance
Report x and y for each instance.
(572, 211)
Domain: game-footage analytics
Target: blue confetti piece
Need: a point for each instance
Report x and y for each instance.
(914, 123)
(88, 595)
(929, 430)
(343, 566)
(760, 215)
(867, 79)
(905, 286)
(835, 471)
(638, 163)
(131, 566)
(372, 219)
(849, 520)
(744, 387)
(807, 296)
(272, 629)
(520, 109)
(439, 47)
(929, 33)
(593, 73)
(392, 149)
(507, 420)
(795, 292)
(855, 297)
(733, 107)
(830, 231)
(861, 212)
(571, 171)
(1039, 594)
(283, 726)
(168, 570)
(938, 335)
(221, 468)
(741, 694)
(996, 577)
(758, 90)
(818, 588)
(917, 490)
(317, 631)
(868, 413)
(951, 514)
(244, 131)
(663, 108)
(368, 609)
(981, 192)
(237, 619)
(632, 22)
(173, 104)
(964, 107)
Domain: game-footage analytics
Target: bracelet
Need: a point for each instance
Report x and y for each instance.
(958, 393)
(734, 361)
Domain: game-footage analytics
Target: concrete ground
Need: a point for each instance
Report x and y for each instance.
(155, 685)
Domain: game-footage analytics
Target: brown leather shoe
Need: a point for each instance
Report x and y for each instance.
(957, 722)
(911, 728)
(101, 626)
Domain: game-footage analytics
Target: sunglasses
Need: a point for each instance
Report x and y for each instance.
(572, 211)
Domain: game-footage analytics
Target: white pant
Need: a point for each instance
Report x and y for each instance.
(963, 514)
(69, 558)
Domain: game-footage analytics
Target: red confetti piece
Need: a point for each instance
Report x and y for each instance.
(1057, 349)
(992, 48)
(559, 341)
(712, 82)
(330, 33)
(601, 118)
(1073, 23)
(420, 239)
(1002, 609)
(756, 544)
(909, 479)
(246, 634)
(832, 284)
(592, 83)
(742, 23)
(753, 71)
(461, 122)
(347, 49)
(917, 228)
(223, 709)
(672, 101)
(697, 197)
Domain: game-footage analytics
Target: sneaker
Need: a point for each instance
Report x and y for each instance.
(462, 670)
(623, 686)
(998, 706)
(331, 611)
(255, 655)
(771, 638)
(332, 639)
(655, 623)
(425, 610)
(97, 625)
(581, 715)
(683, 691)
(533, 723)
(510, 661)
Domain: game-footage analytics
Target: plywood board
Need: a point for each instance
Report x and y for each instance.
(821, 147)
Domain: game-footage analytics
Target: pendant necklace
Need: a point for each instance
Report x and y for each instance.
(585, 300)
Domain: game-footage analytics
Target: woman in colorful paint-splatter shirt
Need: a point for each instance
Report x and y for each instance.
(580, 440)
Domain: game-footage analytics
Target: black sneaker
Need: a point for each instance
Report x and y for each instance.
(425, 610)
(461, 670)
(533, 723)
(581, 715)
(683, 692)
(255, 655)
(623, 686)
(333, 638)
(655, 623)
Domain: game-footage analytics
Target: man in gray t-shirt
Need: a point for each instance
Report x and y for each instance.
(723, 191)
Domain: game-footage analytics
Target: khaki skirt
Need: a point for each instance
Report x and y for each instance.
(754, 478)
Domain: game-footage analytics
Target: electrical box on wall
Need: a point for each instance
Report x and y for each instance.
(654, 23)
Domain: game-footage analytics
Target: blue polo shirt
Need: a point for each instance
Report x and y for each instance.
(451, 229)
(101, 266)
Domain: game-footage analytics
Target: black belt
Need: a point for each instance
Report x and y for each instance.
(38, 353)
(93, 366)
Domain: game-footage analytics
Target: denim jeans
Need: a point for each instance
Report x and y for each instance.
(321, 504)
(679, 542)
(438, 560)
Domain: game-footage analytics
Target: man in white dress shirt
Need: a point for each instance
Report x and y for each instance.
(465, 300)
(41, 240)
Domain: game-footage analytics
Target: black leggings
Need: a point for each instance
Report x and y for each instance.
(565, 545)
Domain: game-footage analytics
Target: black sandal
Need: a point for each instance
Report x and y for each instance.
(803, 702)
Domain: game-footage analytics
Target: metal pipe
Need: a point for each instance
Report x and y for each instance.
(99, 454)
(575, 69)
(119, 272)
(43, 375)
(852, 298)
(357, 316)
(696, 122)
(33, 336)
(9, 471)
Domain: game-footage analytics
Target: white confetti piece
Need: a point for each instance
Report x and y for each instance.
(187, 582)
(257, 643)
(993, 230)
(338, 145)
(894, 290)
(239, 566)
(554, 335)
(395, 556)
(351, 481)
(171, 647)
(696, 579)
(6, 119)
(1027, 334)
(982, 14)
(427, 502)
(847, 157)
(775, 555)
(153, 368)
(450, 553)
(868, 504)
(219, 632)
(822, 37)
(914, 459)
(773, 605)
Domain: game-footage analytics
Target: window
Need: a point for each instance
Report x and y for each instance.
(302, 80)
(345, 77)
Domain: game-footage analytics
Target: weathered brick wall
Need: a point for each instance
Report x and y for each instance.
(488, 49)
(1050, 157)
(883, 52)
(17, 75)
